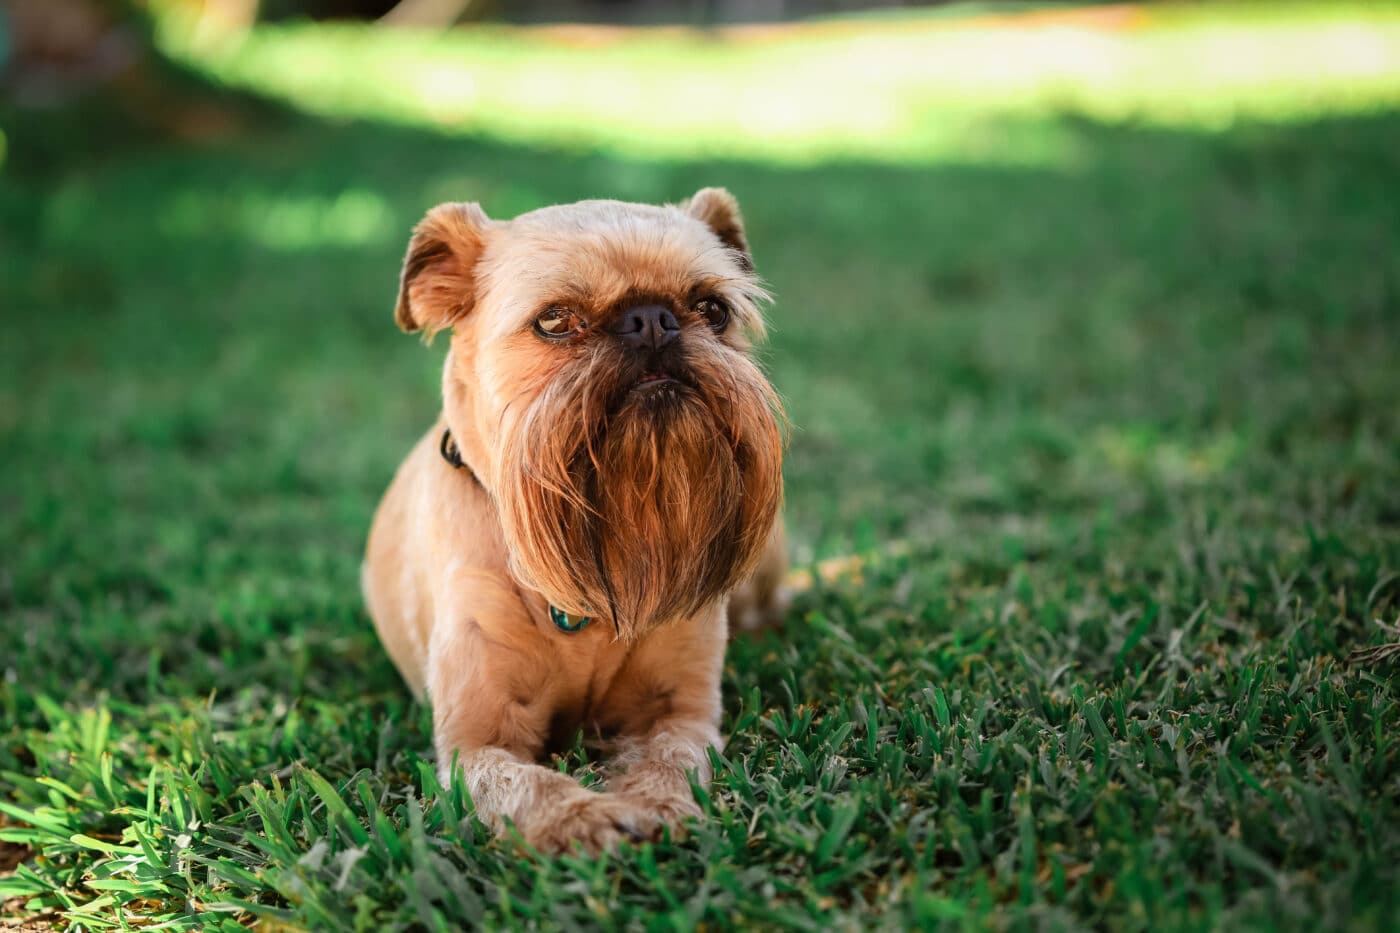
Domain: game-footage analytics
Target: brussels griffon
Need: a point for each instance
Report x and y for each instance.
(561, 550)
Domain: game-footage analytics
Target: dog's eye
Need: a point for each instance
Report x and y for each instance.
(715, 311)
(559, 322)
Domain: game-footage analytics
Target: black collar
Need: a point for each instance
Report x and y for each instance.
(448, 448)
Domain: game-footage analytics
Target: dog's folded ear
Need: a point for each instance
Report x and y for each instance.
(438, 284)
(718, 210)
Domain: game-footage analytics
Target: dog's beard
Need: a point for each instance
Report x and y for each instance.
(638, 505)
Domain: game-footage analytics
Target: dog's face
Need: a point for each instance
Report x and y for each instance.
(601, 386)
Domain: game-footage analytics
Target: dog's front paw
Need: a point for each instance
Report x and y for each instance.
(660, 791)
(593, 821)
(671, 811)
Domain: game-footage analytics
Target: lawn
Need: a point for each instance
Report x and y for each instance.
(1109, 399)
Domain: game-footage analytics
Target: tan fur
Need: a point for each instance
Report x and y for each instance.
(643, 510)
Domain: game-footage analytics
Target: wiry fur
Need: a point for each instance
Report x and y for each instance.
(643, 509)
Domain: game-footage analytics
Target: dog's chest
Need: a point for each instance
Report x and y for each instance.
(610, 698)
(591, 666)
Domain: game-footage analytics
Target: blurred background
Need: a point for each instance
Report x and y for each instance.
(1044, 272)
(1089, 312)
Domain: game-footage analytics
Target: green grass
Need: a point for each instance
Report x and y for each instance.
(1133, 419)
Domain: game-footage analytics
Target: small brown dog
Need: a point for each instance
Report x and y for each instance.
(558, 551)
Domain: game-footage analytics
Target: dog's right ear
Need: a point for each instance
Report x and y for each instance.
(438, 284)
(717, 209)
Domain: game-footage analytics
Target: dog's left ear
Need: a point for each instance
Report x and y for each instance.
(718, 210)
(438, 284)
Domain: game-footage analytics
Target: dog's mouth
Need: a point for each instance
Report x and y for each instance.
(655, 385)
(655, 392)
(654, 379)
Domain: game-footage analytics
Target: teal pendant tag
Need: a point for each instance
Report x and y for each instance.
(566, 622)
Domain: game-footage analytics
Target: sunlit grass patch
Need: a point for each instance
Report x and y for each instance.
(352, 217)
(910, 89)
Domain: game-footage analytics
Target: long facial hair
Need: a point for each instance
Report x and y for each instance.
(639, 507)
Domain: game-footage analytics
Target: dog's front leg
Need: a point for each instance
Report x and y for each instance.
(669, 706)
(655, 770)
(491, 713)
(549, 809)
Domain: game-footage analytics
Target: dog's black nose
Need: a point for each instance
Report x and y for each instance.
(646, 327)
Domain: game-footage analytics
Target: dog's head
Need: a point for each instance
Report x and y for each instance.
(600, 384)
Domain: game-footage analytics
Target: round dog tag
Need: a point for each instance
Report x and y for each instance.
(566, 622)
